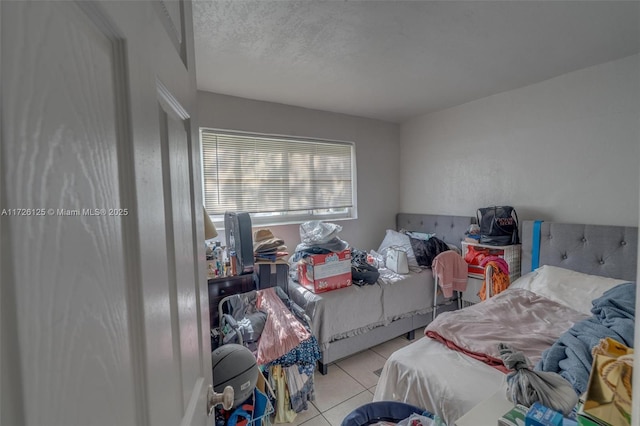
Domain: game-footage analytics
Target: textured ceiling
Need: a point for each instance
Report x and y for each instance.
(393, 60)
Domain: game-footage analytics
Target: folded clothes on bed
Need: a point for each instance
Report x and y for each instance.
(613, 316)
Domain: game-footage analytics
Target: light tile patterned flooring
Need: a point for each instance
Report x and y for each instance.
(349, 384)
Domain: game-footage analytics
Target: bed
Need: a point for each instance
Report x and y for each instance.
(355, 318)
(449, 383)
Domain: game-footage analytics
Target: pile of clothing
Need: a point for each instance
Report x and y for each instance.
(500, 280)
(613, 315)
(267, 247)
(277, 331)
(362, 271)
(318, 237)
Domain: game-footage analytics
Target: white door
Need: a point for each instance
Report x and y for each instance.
(104, 313)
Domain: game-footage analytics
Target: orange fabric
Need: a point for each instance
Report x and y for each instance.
(475, 255)
(500, 281)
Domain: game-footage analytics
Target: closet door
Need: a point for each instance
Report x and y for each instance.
(104, 314)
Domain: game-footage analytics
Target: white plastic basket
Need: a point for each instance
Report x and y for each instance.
(511, 254)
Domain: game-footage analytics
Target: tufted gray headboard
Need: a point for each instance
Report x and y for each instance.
(609, 251)
(449, 229)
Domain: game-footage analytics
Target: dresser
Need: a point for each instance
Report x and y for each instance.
(226, 286)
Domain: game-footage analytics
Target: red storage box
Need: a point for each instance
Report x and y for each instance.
(323, 272)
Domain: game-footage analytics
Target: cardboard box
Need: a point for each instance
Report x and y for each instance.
(514, 417)
(539, 415)
(323, 272)
(272, 274)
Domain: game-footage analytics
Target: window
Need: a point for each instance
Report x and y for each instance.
(277, 179)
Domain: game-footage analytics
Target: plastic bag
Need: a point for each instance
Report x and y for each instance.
(416, 420)
(318, 232)
(608, 397)
(525, 386)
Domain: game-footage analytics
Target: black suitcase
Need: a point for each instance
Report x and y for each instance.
(237, 227)
(272, 274)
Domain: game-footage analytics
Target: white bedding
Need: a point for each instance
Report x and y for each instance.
(571, 288)
(456, 383)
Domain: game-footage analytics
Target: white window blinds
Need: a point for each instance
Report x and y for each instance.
(275, 175)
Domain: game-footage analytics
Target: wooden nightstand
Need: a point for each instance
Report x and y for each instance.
(226, 286)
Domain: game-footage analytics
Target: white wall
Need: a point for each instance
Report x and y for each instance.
(377, 156)
(565, 149)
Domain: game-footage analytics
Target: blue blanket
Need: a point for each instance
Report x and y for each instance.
(613, 316)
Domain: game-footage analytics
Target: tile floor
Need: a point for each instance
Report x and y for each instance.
(349, 384)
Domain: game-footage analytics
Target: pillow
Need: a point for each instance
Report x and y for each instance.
(398, 239)
(570, 288)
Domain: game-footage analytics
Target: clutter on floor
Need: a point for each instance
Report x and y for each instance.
(275, 333)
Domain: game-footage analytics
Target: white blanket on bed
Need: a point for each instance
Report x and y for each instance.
(429, 375)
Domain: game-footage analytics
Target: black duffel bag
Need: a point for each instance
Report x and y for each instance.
(498, 225)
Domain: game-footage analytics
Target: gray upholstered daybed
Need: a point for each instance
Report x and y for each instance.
(349, 320)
